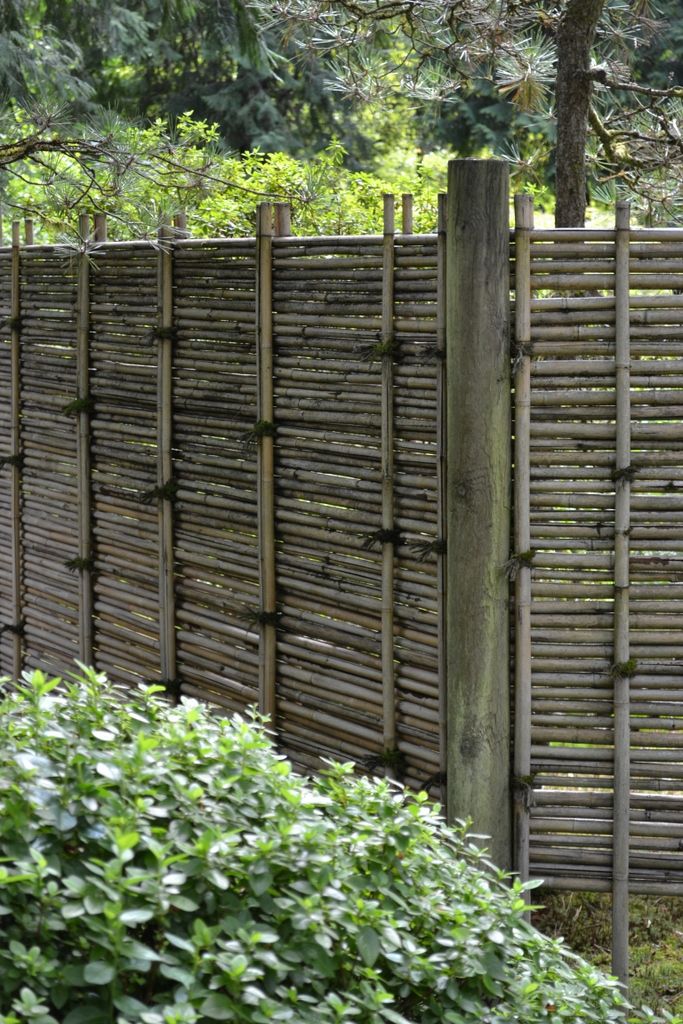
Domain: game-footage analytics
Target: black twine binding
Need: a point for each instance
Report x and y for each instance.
(380, 349)
(12, 460)
(267, 618)
(523, 789)
(422, 549)
(165, 492)
(380, 537)
(262, 428)
(85, 404)
(17, 628)
(516, 561)
(165, 333)
(393, 759)
(521, 350)
(80, 564)
(626, 473)
(624, 669)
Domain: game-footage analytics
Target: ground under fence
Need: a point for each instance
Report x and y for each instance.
(224, 467)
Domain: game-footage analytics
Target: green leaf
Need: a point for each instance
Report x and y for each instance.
(218, 1007)
(71, 910)
(136, 915)
(137, 951)
(368, 945)
(126, 1004)
(99, 972)
(186, 978)
(261, 882)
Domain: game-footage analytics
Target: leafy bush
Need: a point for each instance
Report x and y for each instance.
(163, 865)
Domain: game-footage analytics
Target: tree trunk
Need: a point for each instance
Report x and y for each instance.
(572, 103)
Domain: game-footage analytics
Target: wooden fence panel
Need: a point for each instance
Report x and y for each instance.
(49, 472)
(6, 640)
(216, 542)
(124, 453)
(327, 321)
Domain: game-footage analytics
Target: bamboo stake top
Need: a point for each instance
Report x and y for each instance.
(16, 233)
(283, 220)
(100, 222)
(388, 213)
(524, 212)
(623, 216)
(264, 219)
(407, 213)
(28, 231)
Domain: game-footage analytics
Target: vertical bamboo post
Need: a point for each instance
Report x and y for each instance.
(388, 533)
(266, 467)
(180, 224)
(407, 213)
(622, 668)
(441, 300)
(15, 450)
(524, 222)
(28, 231)
(283, 219)
(478, 499)
(100, 229)
(167, 638)
(85, 548)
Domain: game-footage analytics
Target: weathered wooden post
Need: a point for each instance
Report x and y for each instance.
(478, 499)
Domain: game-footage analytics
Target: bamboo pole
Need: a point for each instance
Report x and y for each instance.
(167, 638)
(180, 225)
(15, 450)
(622, 768)
(100, 227)
(441, 577)
(478, 497)
(85, 547)
(283, 219)
(266, 475)
(524, 223)
(407, 213)
(388, 526)
(28, 231)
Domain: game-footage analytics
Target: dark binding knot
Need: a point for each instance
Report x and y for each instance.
(517, 561)
(165, 492)
(380, 537)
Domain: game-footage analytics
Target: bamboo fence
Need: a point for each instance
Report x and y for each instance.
(222, 467)
(599, 589)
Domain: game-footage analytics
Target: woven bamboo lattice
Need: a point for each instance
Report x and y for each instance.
(225, 457)
(221, 467)
(599, 645)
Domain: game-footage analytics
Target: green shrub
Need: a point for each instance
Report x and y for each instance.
(162, 865)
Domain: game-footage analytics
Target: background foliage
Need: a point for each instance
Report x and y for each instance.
(211, 80)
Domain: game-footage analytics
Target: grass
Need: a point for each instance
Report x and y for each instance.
(656, 940)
